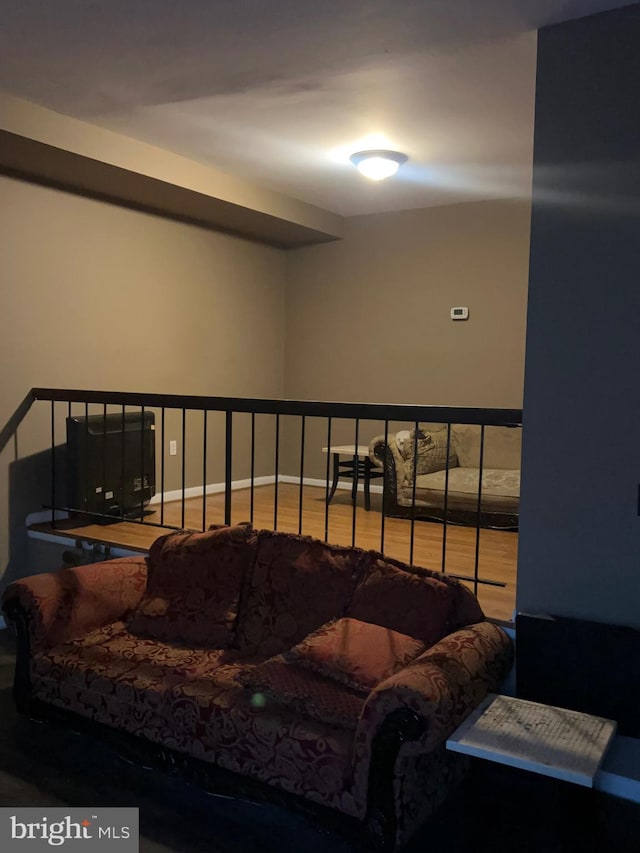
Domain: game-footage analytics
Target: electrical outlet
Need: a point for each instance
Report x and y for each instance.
(173, 448)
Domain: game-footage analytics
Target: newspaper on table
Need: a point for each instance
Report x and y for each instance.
(556, 742)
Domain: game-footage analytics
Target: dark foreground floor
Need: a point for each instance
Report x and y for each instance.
(41, 765)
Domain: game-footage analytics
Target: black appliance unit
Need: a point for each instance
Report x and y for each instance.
(111, 463)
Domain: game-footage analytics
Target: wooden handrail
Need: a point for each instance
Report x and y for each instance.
(309, 408)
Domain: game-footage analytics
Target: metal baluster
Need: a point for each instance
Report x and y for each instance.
(104, 457)
(53, 464)
(122, 465)
(384, 483)
(253, 464)
(275, 494)
(227, 466)
(204, 469)
(66, 428)
(326, 498)
(85, 456)
(142, 465)
(302, 437)
(162, 467)
(446, 500)
(477, 550)
(184, 460)
(354, 495)
(413, 491)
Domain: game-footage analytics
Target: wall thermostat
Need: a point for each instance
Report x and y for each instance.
(459, 313)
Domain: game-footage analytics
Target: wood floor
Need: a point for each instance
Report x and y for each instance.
(497, 549)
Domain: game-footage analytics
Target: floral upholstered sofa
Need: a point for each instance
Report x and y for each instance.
(458, 471)
(329, 673)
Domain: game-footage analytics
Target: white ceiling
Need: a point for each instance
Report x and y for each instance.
(282, 92)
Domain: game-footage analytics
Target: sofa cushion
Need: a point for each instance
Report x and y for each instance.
(403, 601)
(193, 586)
(495, 481)
(279, 746)
(502, 446)
(146, 687)
(303, 691)
(431, 501)
(465, 608)
(120, 680)
(358, 654)
(296, 585)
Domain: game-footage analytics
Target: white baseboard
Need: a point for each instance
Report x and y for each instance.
(175, 495)
(216, 488)
(211, 489)
(311, 481)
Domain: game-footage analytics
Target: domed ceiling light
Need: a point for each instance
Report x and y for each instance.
(378, 164)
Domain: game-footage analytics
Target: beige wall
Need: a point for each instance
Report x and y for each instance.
(368, 316)
(38, 141)
(97, 296)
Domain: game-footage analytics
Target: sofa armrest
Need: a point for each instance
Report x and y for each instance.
(377, 448)
(387, 455)
(440, 688)
(58, 606)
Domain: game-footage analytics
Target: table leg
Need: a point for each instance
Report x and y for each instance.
(579, 827)
(336, 474)
(552, 815)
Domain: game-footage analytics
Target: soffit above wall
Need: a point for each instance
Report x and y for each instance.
(42, 146)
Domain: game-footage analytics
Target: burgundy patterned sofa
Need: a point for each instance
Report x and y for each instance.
(332, 674)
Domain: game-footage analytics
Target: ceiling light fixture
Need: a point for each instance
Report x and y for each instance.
(378, 164)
